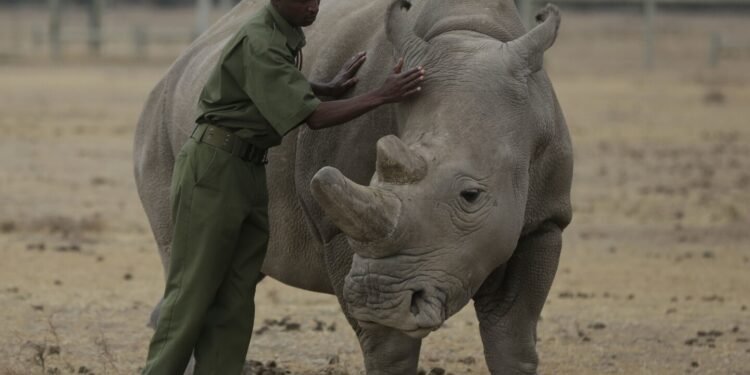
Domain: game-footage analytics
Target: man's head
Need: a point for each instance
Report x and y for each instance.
(298, 13)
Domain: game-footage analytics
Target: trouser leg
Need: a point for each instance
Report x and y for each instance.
(222, 346)
(224, 340)
(207, 225)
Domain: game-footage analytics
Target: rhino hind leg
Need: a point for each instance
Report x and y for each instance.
(164, 252)
(510, 301)
(154, 317)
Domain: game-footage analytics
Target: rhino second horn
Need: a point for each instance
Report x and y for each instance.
(397, 163)
(363, 213)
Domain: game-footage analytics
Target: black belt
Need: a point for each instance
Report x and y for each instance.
(225, 140)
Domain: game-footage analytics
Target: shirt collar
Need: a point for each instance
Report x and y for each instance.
(295, 38)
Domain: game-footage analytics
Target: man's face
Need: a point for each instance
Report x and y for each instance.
(299, 13)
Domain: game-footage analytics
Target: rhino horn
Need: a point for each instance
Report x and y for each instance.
(398, 164)
(403, 38)
(363, 213)
(529, 49)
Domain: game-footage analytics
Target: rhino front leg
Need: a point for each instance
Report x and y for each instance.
(386, 351)
(389, 352)
(510, 301)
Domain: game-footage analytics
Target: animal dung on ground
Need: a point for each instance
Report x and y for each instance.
(468, 360)
(714, 97)
(258, 368)
(7, 226)
(36, 246)
(292, 327)
(705, 339)
(319, 325)
(261, 330)
(68, 248)
(333, 359)
(713, 298)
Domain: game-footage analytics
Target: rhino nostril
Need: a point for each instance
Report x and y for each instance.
(419, 294)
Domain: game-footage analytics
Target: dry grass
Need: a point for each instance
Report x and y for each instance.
(653, 279)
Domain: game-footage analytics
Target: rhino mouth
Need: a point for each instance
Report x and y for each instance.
(418, 333)
(416, 311)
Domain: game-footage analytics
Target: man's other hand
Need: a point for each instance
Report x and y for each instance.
(346, 77)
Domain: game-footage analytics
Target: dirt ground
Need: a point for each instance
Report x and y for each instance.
(655, 268)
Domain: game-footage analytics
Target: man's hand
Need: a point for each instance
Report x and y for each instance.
(346, 77)
(401, 85)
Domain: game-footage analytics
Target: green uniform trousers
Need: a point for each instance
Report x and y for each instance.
(220, 215)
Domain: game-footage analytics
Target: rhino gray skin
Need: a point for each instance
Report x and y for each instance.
(459, 193)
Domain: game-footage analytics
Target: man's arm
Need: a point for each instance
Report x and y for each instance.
(321, 89)
(337, 112)
(396, 88)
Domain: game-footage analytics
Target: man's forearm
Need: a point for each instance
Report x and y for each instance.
(320, 89)
(340, 111)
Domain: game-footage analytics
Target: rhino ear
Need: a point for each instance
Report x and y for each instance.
(399, 33)
(527, 52)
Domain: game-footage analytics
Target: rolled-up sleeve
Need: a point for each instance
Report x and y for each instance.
(280, 91)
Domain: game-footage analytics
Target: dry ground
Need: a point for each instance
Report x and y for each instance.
(655, 269)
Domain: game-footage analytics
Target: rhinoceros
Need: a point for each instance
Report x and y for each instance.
(407, 213)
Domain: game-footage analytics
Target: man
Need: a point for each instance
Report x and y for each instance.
(255, 96)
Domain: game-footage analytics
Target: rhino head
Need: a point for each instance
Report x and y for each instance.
(446, 205)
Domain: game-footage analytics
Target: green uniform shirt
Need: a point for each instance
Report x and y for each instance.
(257, 88)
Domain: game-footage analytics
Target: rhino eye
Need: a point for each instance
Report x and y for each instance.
(471, 195)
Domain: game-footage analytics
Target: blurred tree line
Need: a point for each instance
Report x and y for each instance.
(118, 2)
